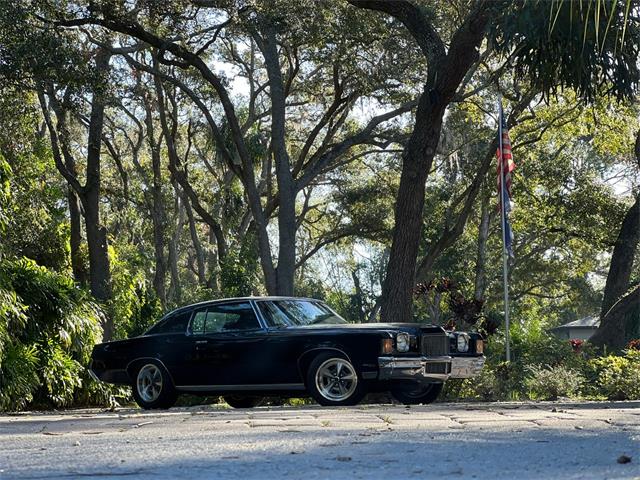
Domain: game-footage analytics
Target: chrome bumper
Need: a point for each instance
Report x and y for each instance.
(466, 367)
(428, 369)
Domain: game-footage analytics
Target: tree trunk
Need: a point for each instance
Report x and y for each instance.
(62, 151)
(157, 208)
(212, 261)
(621, 264)
(398, 286)
(99, 266)
(611, 331)
(358, 296)
(179, 174)
(175, 290)
(481, 252)
(286, 186)
(195, 240)
(446, 72)
(618, 321)
(75, 218)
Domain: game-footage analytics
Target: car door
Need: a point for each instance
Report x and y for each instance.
(169, 343)
(283, 346)
(227, 341)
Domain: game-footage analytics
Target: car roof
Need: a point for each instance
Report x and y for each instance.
(245, 299)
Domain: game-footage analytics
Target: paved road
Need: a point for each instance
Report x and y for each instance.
(451, 441)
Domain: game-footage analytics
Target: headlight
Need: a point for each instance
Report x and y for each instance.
(479, 346)
(462, 342)
(402, 342)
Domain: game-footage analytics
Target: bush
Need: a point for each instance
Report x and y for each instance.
(615, 377)
(550, 383)
(47, 330)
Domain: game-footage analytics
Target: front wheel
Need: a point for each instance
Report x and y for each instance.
(417, 393)
(333, 381)
(153, 387)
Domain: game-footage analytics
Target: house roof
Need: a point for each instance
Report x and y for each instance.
(592, 321)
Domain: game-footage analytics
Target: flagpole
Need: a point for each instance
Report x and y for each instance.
(505, 255)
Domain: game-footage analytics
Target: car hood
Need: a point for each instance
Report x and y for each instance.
(371, 326)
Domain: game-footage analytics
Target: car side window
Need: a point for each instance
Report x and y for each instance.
(197, 324)
(224, 318)
(274, 315)
(173, 324)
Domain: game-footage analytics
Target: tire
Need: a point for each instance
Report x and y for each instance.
(417, 393)
(333, 381)
(152, 386)
(242, 401)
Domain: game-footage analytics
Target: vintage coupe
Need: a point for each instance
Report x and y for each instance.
(248, 348)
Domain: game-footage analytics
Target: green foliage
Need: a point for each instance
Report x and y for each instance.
(60, 373)
(5, 192)
(239, 271)
(615, 377)
(32, 208)
(550, 383)
(568, 373)
(589, 46)
(18, 375)
(47, 330)
(134, 305)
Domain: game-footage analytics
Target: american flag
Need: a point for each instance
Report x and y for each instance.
(506, 165)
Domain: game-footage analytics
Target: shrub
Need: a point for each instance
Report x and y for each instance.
(18, 376)
(47, 330)
(615, 377)
(550, 383)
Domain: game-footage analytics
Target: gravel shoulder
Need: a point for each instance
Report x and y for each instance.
(477, 440)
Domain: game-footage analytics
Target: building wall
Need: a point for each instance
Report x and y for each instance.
(581, 333)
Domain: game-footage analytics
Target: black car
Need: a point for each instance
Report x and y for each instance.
(248, 348)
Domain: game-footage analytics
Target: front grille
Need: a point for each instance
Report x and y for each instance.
(439, 367)
(435, 345)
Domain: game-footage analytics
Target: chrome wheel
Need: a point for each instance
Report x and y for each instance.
(336, 379)
(149, 383)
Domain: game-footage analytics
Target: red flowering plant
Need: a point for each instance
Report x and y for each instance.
(576, 344)
(634, 344)
(462, 311)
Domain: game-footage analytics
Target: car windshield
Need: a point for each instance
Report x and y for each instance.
(298, 313)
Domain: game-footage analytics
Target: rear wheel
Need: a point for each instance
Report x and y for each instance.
(153, 387)
(417, 393)
(242, 401)
(333, 381)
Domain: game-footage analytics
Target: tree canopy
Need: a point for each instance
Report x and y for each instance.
(163, 153)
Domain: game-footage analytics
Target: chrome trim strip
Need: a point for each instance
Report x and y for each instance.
(261, 320)
(326, 348)
(266, 387)
(304, 354)
(93, 375)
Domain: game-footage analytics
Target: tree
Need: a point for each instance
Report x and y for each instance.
(326, 143)
(547, 64)
(89, 193)
(620, 300)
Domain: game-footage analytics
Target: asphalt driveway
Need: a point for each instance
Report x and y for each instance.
(483, 441)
